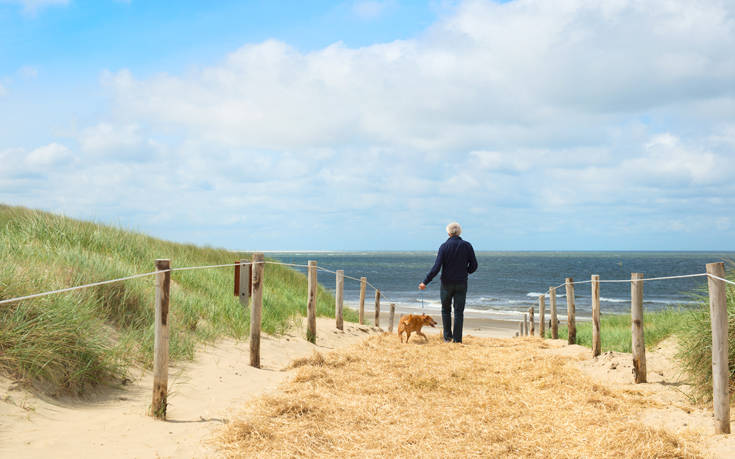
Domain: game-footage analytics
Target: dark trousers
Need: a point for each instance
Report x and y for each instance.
(458, 292)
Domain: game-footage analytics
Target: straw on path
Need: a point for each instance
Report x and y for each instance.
(486, 398)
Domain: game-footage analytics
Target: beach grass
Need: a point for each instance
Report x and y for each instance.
(487, 397)
(690, 326)
(68, 342)
(695, 345)
(615, 329)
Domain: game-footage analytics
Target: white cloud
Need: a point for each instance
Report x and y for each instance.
(109, 138)
(524, 111)
(48, 155)
(502, 161)
(521, 74)
(370, 9)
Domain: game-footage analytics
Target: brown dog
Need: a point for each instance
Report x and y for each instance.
(411, 323)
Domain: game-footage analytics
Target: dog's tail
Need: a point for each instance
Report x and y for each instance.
(401, 325)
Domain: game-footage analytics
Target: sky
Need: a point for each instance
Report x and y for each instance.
(370, 125)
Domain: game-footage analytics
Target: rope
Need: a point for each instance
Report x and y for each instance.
(719, 278)
(69, 289)
(656, 278)
(284, 264)
(111, 281)
(610, 281)
(353, 278)
(189, 268)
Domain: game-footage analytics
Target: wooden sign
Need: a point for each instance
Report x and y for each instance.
(237, 278)
(243, 281)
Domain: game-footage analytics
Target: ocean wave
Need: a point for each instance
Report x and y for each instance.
(614, 300)
(546, 295)
(648, 301)
(673, 302)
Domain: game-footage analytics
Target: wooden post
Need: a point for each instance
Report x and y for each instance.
(311, 304)
(596, 344)
(636, 316)
(525, 324)
(339, 297)
(363, 283)
(541, 314)
(571, 320)
(720, 370)
(377, 308)
(533, 324)
(256, 308)
(392, 317)
(520, 329)
(554, 319)
(160, 345)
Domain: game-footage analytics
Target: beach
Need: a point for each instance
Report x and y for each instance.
(481, 327)
(203, 394)
(219, 388)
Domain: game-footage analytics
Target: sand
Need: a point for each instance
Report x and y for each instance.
(665, 384)
(207, 392)
(202, 395)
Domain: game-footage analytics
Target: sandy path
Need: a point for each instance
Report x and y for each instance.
(675, 413)
(202, 395)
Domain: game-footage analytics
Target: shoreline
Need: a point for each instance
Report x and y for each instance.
(470, 313)
(474, 324)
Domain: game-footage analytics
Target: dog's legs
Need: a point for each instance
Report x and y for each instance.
(408, 335)
(400, 335)
(424, 336)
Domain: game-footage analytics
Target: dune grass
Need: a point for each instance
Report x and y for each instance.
(486, 398)
(692, 328)
(615, 331)
(695, 345)
(67, 342)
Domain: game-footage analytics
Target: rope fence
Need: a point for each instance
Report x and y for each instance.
(249, 285)
(153, 273)
(716, 282)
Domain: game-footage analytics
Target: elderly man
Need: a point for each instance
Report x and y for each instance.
(456, 259)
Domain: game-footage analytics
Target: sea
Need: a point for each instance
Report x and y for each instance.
(506, 284)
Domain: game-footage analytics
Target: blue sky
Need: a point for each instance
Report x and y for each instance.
(359, 125)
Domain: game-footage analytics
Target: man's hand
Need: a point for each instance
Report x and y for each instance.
(422, 286)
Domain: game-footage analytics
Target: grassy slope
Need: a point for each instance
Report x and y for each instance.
(615, 329)
(692, 328)
(70, 341)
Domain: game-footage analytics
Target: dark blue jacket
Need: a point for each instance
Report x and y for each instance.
(456, 259)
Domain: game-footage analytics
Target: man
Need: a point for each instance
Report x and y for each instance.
(456, 259)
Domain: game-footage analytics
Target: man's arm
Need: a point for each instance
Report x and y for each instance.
(435, 269)
(472, 263)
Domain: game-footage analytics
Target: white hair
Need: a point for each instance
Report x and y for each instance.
(453, 229)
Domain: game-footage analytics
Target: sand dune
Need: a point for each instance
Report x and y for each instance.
(202, 395)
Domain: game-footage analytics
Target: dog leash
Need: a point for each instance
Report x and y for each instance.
(421, 295)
